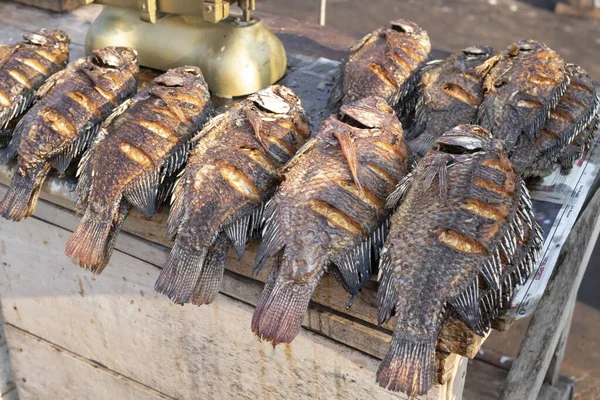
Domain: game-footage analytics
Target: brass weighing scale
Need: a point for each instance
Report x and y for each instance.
(238, 55)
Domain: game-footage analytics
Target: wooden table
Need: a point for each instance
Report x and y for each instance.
(115, 338)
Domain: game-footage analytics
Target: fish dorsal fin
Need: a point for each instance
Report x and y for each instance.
(355, 266)
(399, 192)
(256, 222)
(349, 150)
(238, 234)
(492, 270)
(466, 305)
(336, 95)
(63, 159)
(49, 84)
(143, 192)
(272, 240)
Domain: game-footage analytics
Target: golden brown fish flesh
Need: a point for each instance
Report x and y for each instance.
(145, 140)
(66, 116)
(329, 213)
(25, 66)
(384, 63)
(522, 86)
(450, 93)
(465, 219)
(220, 196)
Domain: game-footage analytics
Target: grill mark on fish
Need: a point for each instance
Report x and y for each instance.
(261, 159)
(19, 77)
(188, 99)
(159, 130)
(400, 62)
(136, 154)
(4, 99)
(383, 74)
(541, 80)
(496, 212)
(282, 144)
(84, 101)
(461, 242)
(573, 101)
(529, 103)
(239, 181)
(557, 114)
(383, 174)
(46, 54)
(166, 112)
(581, 86)
(507, 192)
(365, 195)
(496, 164)
(58, 122)
(388, 148)
(335, 217)
(460, 94)
(472, 77)
(548, 133)
(107, 95)
(36, 65)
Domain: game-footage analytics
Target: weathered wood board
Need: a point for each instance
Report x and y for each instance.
(7, 385)
(183, 352)
(52, 5)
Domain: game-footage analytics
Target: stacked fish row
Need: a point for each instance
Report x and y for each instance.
(456, 236)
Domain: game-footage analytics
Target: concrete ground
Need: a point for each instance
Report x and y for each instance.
(453, 25)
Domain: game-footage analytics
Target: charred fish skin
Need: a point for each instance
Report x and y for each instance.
(384, 63)
(25, 66)
(143, 141)
(557, 144)
(64, 120)
(219, 198)
(522, 86)
(328, 213)
(450, 95)
(433, 261)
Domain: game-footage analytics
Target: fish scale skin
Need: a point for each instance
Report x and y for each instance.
(437, 110)
(18, 93)
(427, 269)
(580, 104)
(231, 172)
(521, 88)
(377, 50)
(128, 158)
(322, 216)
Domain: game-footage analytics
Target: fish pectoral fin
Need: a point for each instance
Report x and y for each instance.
(272, 241)
(483, 69)
(355, 267)
(466, 305)
(238, 234)
(143, 193)
(257, 125)
(172, 104)
(98, 79)
(48, 85)
(349, 150)
(440, 170)
(399, 192)
(386, 294)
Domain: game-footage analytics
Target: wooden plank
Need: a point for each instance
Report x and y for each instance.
(120, 323)
(553, 372)
(551, 315)
(52, 5)
(566, 9)
(47, 371)
(6, 376)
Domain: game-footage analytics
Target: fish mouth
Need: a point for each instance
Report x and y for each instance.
(404, 26)
(461, 141)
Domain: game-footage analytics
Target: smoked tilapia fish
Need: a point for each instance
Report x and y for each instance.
(521, 86)
(219, 198)
(25, 66)
(144, 141)
(66, 116)
(450, 93)
(567, 133)
(384, 63)
(329, 213)
(465, 225)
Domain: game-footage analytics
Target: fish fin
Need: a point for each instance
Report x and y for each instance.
(142, 193)
(491, 272)
(165, 190)
(177, 212)
(12, 150)
(272, 240)
(179, 277)
(19, 105)
(306, 147)
(399, 192)
(256, 222)
(441, 171)
(349, 151)
(378, 238)
(419, 121)
(279, 312)
(334, 103)
(355, 266)
(22, 195)
(88, 242)
(386, 294)
(484, 68)
(61, 160)
(238, 234)
(170, 103)
(176, 160)
(422, 144)
(408, 366)
(48, 85)
(6, 52)
(209, 283)
(466, 305)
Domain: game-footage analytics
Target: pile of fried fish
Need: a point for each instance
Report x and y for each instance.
(419, 169)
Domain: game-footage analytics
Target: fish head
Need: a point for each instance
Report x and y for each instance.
(525, 45)
(370, 112)
(45, 37)
(480, 53)
(404, 26)
(185, 76)
(115, 57)
(466, 140)
(275, 99)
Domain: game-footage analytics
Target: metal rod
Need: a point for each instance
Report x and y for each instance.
(323, 12)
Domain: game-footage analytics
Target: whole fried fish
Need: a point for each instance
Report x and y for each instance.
(522, 86)
(450, 94)
(219, 198)
(464, 215)
(384, 63)
(71, 106)
(25, 66)
(556, 144)
(329, 213)
(143, 141)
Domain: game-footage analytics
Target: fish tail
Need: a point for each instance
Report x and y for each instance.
(211, 276)
(21, 198)
(279, 312)
(89, 242)
(179, 277)
(408, 366)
